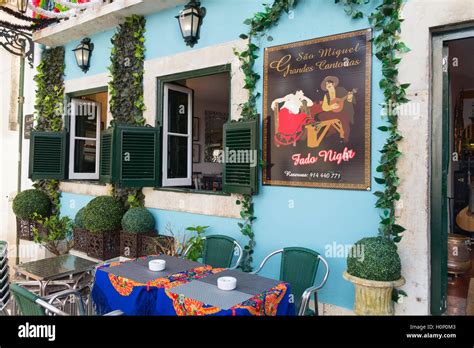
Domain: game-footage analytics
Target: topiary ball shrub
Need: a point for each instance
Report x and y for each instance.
(28, 202)
(138, 220)
(103, 214)
(374, 258)
(79, 219)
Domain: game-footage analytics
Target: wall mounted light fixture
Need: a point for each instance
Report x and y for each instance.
(190, 21)
(83, 53)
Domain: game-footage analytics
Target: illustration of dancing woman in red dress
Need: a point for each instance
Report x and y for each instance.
(291, 118)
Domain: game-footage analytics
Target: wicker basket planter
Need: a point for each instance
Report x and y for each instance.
(104, 245)
(154, 245)
(25, 228)
(81, 239)
(131, 243)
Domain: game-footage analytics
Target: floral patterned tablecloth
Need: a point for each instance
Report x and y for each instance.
(112, 292)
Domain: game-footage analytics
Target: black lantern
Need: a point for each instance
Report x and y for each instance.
(190, 20)
(83, 53)
(22, 5)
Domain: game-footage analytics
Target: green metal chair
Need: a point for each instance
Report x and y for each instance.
(299, 267)
(219, 251)
(31, 304)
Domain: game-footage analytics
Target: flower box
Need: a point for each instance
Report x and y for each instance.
(131, 243)
(81, 238)
(155, 245)
(25, 229)
(104, 245)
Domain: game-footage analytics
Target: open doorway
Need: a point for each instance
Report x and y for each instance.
(452, 186)
(195, 110)
(460, 174)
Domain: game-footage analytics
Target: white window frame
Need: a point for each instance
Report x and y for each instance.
(167, 182)
(72, 141)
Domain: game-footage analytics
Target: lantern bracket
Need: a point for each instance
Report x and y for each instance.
(17, 42)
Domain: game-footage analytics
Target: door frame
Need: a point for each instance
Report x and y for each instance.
(440, 159)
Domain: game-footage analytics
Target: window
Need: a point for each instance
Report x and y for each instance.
(84, 145)
(195, 110)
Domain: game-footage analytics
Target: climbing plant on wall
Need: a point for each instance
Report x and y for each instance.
(386, 21)
(49, 101)
(49, 108)
(126, 69)
(126, 88)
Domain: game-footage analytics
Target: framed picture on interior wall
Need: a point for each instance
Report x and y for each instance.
(196, 153)
(195, 129)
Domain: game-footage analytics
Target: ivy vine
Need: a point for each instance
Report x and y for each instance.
(49, 100)
(386, 21)
(247, 214)
(126, 88)
(127, 70)
(49, 109)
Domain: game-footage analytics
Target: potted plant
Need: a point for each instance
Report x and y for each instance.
(374, 267)
(136, 223)
(25, 205)
(196, 243)
(80, 232)
(103, 218)
(58, 239)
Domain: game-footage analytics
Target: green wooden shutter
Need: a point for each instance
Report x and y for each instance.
(138, 156)
(106, 171)
(48, 152)
(240, 138)
(129, 156)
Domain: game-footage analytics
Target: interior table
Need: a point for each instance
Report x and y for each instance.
(186, 288)
(62, 269)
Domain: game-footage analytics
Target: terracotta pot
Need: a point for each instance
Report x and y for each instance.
(373, 297)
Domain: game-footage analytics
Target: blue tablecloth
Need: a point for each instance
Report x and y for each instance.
(112, 292)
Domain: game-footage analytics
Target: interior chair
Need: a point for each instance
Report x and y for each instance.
(219, 251)
(31, 304)
(299, 267)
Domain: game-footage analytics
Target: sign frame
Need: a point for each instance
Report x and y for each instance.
(367, 179)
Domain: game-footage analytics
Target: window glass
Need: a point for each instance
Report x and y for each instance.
(85, 156)
(177, 112)
(86, 120)
(177, 157)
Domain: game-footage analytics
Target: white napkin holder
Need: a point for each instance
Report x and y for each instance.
(157, 265)
(227, 283)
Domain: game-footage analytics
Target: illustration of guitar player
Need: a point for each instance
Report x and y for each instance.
(333, 115)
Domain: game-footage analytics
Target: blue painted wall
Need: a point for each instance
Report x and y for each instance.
(313, 218)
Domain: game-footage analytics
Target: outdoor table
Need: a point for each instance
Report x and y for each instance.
(46, 271)
(186, 288)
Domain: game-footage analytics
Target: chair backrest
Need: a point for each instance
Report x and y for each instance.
(218, 251)
(26, 301)
(299, 267)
